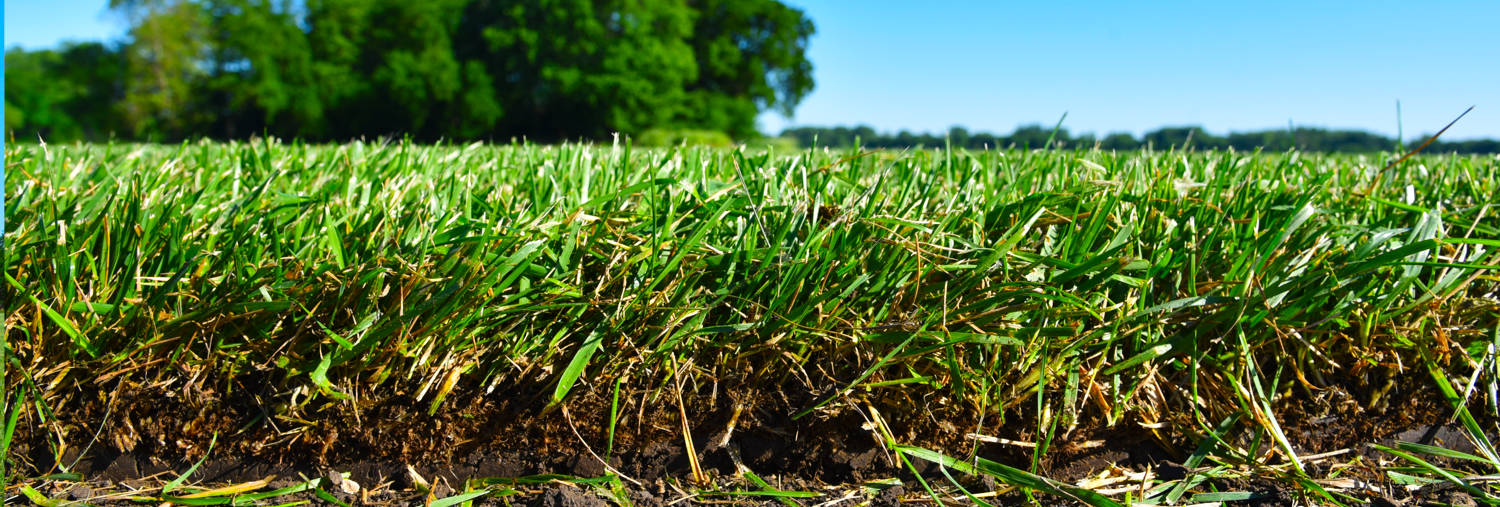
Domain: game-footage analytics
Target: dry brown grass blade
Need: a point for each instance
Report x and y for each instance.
(232, 489)
(699, 477)
(692, 453)
(1409, 154)
(848, 159)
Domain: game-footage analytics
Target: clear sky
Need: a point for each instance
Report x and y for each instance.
(37, 24)
(1112, 66)
(1136, 66)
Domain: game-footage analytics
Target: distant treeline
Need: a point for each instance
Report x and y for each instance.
(320, 70)
(1036, 136)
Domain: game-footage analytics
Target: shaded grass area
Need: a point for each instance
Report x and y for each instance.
(945, 298)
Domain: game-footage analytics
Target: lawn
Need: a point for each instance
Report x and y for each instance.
(648, 325)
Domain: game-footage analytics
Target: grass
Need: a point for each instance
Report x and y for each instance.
(1188, 293)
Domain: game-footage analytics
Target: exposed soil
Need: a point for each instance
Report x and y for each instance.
(147, 434)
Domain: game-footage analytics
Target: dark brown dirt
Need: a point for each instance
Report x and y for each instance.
(146, 433)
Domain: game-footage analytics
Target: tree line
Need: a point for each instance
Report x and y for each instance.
(546, 70)
(1038, 136)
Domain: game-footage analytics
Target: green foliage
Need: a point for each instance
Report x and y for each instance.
(443, 69)
(670, 137)
(256, 85)
(583, 68)
(750, 56)
(67, 93)
(782, 145)
(163, 59)
(1035, 136)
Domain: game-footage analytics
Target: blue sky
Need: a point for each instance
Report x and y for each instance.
(35, 24)
(1112, 66)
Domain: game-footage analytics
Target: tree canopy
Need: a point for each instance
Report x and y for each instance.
(1037, 136)
(546, 70)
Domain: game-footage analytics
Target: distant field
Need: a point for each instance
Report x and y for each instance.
(986, 326)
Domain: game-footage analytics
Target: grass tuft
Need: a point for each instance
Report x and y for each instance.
(1188, 294)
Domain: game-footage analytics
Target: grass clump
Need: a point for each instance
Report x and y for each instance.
(1189, 294)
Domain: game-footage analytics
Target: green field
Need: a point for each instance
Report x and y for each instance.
(999, 312)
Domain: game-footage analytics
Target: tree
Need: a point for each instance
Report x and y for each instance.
(1120, 141)
(64, 94)
(34, 102)
(751, 56)
(958, 136)
(253, 84)
(1174, 137)
(581, 68)
(410, 63)
(164, 57)
(1033, 136)
(438, 69)
(336, 32)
